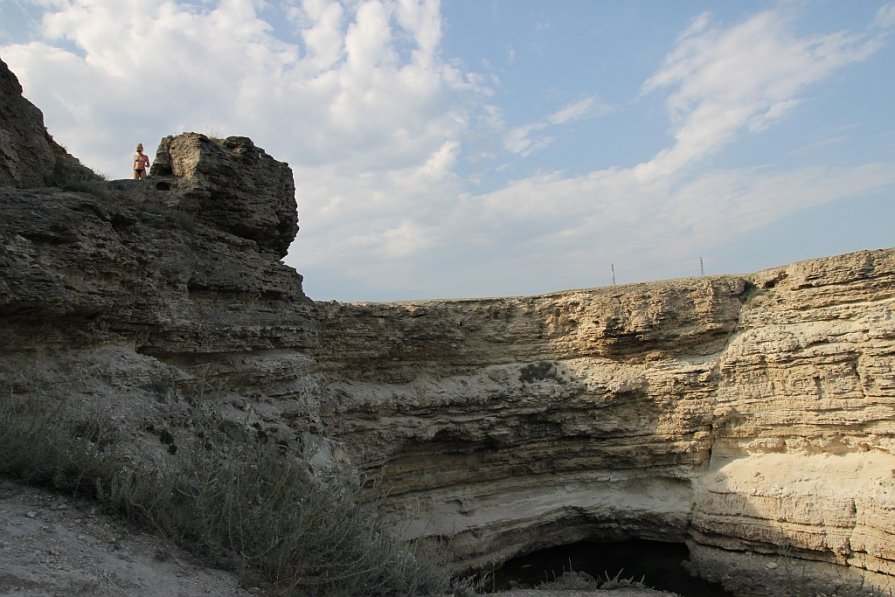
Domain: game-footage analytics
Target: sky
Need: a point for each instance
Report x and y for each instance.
(468, 148)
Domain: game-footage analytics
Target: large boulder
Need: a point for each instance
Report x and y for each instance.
(29, 157)
(232, 185)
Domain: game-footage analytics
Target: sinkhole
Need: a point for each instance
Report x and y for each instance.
(659, 564)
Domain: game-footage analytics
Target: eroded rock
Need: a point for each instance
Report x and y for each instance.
(233, 185)
(29, 157)
(81, 270)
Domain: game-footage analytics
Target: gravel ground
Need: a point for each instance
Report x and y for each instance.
(56, 545)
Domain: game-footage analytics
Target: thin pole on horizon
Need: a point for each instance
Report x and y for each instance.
(701, 268)
(612, 266)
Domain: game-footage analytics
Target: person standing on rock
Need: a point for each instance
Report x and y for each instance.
(141, 163)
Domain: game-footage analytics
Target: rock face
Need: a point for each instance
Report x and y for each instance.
(85, 270)
(748, 417)
(516, 424)
(802, 457)
(232, 185)
(150, 264)
(28, 155)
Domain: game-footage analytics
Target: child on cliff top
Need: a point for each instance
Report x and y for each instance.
(141, 163)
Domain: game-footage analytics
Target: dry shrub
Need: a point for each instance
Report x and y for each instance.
(252, 509)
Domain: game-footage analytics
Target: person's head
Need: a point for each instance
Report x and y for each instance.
(139, 147)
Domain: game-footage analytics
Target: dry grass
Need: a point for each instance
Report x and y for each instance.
(251, 509)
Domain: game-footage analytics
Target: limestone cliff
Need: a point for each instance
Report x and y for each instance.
(748, 416)
(741, 415)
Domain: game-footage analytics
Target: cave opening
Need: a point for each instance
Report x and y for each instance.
(659, 564)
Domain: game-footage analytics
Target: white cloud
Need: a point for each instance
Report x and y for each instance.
(573, 111)
(423, 20)
(578, 226)
(168, 66)
(697, 25)
(885, 16)
(723, 80)
(519, 140)
(406, 239)
(776, 111)
(322, 34)
(522, 140)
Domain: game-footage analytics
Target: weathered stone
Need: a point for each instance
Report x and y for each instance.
(29, 157)
(157, 264)
(80, 270)
(735, 414)
(233, 185)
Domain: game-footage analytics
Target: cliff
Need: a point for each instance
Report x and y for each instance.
(747, 416)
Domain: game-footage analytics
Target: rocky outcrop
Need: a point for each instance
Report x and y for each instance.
(28, 155)
(83, 270)
(749, 417)
(149, 264)
(232, 185)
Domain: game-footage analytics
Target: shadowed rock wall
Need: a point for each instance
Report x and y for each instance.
(233, 185)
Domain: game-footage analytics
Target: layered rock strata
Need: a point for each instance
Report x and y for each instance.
(741, 415)
(802, 461)
(750, 417)
(83, 270)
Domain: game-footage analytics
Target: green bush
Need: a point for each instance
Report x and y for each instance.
(750, 291)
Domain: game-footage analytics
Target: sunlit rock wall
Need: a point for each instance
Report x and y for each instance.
(738, 414)
(802, 458)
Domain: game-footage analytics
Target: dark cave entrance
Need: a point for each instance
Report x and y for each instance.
(659, 563)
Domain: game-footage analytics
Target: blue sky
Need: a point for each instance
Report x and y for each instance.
(485, 148)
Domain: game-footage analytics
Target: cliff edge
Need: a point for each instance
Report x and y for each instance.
(748, 417)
